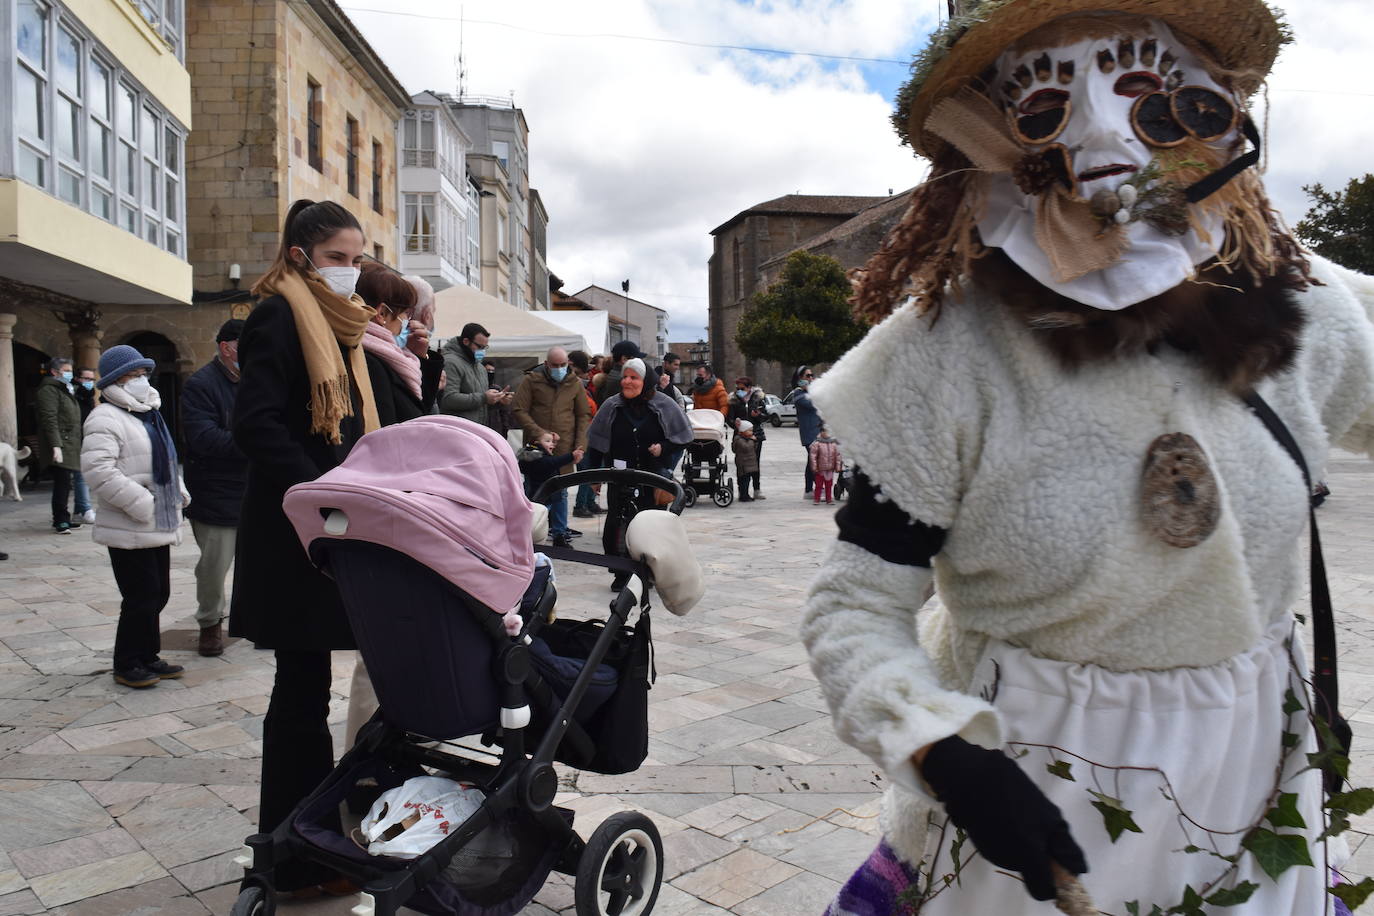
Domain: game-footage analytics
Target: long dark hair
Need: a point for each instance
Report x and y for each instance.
(307, 224)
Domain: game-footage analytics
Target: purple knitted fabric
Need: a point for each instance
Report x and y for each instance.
(873, 889)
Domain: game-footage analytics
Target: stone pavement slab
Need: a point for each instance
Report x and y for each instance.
(115, 801)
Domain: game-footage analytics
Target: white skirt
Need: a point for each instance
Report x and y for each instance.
(1195, 755)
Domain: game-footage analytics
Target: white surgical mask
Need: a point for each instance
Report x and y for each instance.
(138, 388)
(1101, 85)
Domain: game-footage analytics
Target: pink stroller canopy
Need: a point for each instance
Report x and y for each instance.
(442, 490)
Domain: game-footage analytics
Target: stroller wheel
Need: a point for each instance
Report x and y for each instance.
(621, 868)
(689, 497)
(254, 900)
(723, 496)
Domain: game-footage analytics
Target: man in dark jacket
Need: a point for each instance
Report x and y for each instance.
(83, 387)
(610, 380)
(216, 474)
(671, 363)
(59, 438)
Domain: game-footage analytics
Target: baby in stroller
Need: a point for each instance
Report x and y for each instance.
(427, 530)
(705, 472)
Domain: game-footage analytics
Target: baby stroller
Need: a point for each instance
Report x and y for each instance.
(428, 533)
(705, 471)
(842, 481)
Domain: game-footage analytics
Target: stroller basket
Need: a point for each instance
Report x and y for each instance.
(536, 852)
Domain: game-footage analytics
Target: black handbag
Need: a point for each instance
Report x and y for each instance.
(619, 730)
(1325, 682)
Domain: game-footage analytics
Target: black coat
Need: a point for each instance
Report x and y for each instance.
(280, 600)
(754, 409)
(216, 471)
(395, 403)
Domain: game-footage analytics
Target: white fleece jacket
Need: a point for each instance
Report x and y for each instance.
(117, 462)
(971, 425)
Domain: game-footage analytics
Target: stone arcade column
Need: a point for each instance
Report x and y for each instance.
(9, 411)
(86, 346)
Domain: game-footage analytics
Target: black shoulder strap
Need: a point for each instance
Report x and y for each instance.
(1324, 678)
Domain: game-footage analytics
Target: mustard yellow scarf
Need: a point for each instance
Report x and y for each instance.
(324, 320)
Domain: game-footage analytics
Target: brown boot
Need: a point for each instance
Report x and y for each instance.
(211, 641)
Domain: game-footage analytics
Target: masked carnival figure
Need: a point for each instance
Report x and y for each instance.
(1095, 334)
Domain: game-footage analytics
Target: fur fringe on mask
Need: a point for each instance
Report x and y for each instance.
(1242, 329)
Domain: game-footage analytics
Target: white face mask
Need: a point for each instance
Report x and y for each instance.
(1105, 152)
(341, 280)
(139, 388)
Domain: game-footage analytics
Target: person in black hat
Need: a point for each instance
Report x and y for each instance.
(609, 385)
(216, 474)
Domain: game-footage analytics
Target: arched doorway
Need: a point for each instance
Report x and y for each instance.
(165, 376)
(28, 372)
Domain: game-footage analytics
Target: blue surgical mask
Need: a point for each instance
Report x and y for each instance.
(803, 383)
(67, 376)
(90, 385)
(479, 355)
(558, 373)
(402, 337)
(741, 393)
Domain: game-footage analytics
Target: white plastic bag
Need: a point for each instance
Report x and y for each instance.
(409, 819)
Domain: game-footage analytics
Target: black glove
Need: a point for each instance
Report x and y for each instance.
(1010, 821)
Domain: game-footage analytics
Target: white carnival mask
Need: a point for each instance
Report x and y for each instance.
(1113, 104)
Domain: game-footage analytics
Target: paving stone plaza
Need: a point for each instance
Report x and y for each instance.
(116, 801)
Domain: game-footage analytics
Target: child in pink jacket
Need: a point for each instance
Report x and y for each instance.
(825, 465)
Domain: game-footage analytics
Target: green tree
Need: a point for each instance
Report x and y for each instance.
(802, 318)
(1340, 225)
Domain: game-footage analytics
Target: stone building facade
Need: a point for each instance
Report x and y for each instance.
(743, 245)
(290, 102)
(92, 189)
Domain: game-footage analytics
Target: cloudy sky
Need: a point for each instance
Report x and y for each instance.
(641, 147)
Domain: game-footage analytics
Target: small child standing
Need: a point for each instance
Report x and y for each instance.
(746, 459)
(538, 463)
(825, 465)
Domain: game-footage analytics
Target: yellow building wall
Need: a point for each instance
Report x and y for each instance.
(311, 55)
(140, 50)
(37, 220)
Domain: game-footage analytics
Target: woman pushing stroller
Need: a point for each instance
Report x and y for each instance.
(305, 398)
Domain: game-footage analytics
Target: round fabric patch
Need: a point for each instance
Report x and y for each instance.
(1178, 496)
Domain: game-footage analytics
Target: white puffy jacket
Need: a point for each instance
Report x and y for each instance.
(117, 462)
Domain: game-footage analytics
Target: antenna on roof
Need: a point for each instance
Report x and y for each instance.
(462, 70)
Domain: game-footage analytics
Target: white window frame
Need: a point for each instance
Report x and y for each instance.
(37, 145)
(101, 185)
(65, 103)
(416, 205)
(148, 200)
(415, 154)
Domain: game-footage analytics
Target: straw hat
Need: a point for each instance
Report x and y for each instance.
(1244, 36)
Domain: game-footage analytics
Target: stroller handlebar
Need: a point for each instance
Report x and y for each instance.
(628, 477)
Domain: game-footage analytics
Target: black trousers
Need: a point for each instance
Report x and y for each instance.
(61, 492)
(297, 749)
(621, 505)
(758, 454)
(810, 476)
(145, 584)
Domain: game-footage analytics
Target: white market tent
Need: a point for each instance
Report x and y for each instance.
(514, 332)
(593, 324)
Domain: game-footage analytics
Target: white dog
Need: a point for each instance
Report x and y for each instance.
(9, 470)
